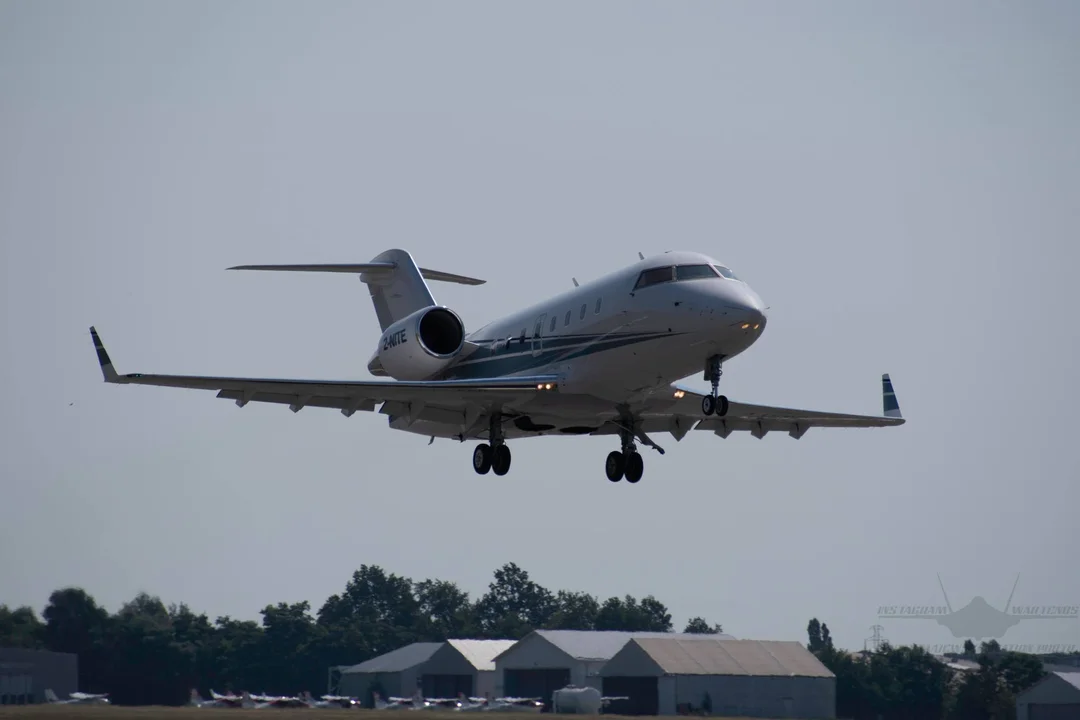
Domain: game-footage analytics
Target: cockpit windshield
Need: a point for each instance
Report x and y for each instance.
(678, 273)
(726, 272)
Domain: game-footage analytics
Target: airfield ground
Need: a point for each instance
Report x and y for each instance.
(88, 712)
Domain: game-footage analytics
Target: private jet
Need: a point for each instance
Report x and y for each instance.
(603, 358)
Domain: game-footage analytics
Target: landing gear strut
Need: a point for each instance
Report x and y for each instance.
(495, 456)
(714, 403)
(626, 463)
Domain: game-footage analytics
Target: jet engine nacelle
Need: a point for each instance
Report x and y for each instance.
(420, 345)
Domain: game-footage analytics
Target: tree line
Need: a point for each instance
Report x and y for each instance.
(148, 653)
(897, 683)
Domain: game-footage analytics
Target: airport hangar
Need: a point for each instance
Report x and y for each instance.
(1055, 697)
(662, 673)
(26, 674)
(437, 669)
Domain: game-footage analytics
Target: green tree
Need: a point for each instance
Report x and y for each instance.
(444, 611)
(514, 605)
(575, 611)
(698, 625)
(74, 623)
(21, 628)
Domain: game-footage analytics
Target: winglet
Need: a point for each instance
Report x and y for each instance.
(107, 370)
(892, 407)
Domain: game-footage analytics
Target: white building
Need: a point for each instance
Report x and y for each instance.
(462, 666)
(1055, 697)
(666, 675)
(546, 660)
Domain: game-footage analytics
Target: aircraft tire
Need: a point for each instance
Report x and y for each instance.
(708, 405)
(481, 458)
(635, 467)
(500, 459)
(614, 466)
(721, 406)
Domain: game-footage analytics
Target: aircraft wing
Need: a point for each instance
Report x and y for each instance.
(345, 395)
(680, 412)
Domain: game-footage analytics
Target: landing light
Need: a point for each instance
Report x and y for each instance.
(680, 393)
(757, 326)
(745, 325)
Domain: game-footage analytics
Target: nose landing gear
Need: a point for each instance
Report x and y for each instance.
(714, 403)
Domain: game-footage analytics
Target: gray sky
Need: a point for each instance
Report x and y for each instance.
(898, 181)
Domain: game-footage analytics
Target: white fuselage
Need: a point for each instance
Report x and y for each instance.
(616, 341)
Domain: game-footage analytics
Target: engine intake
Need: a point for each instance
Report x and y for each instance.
(417, 347)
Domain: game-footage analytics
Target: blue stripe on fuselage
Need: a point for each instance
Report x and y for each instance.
(487, 363)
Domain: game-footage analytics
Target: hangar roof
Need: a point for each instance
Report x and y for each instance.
(600, 644)
(396, 660)
(707, 655)
(1073, 678)
(481, 653)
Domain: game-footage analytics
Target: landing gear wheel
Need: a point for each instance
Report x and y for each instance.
(500, 459)
(721, 406)
(635, 467)
(614, 466)
(481, 458)
(708, 405)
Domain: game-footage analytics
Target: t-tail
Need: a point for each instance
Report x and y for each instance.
(396, 284)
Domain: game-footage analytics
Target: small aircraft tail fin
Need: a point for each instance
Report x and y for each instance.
(892, 407)
(396, 284)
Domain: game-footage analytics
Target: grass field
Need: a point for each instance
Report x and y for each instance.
(90, 712)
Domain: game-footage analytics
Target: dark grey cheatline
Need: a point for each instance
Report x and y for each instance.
(602, 358)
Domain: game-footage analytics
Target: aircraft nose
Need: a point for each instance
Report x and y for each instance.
(746, 308)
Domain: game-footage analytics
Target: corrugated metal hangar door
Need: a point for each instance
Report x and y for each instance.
(1046, 711)
(644, 694)
(535, 683)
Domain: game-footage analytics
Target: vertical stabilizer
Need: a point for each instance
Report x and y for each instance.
(400, 292)
(891, 406)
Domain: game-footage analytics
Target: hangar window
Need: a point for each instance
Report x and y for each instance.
(554, 321)
(695, 272)
(522, 336)
(598, 301)
(567, 320)
(584, 307)
(726, 272)
(654, 276)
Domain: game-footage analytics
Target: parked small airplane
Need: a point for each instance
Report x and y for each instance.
(601, 359)
(77, 698)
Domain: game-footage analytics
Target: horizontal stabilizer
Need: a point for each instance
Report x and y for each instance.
(372, 271)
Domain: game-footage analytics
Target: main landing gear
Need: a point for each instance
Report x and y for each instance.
(496, 456)
(714, 403)
(625, 463)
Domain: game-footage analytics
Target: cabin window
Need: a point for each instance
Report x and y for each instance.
(726, 272)
(695, 272)
(584, 307)
(654, 276)
(554, 322)
(598, 301)
(567, 321)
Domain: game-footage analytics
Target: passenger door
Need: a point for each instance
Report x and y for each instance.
(538, 335)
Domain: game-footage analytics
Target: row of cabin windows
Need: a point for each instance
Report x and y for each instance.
(566, 318)
(677, 273)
